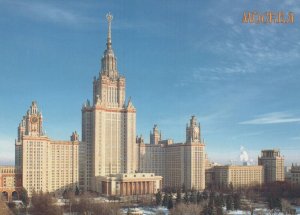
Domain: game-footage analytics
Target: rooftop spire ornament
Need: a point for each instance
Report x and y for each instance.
(109, 18)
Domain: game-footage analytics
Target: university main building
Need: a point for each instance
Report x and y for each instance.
(111, 159)
(114, 160)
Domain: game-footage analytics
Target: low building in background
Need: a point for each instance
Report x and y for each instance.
(295, 174)
(129, 184)
(235, 176)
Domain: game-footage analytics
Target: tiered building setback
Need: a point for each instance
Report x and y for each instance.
(179, 164)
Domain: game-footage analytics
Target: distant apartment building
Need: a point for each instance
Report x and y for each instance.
(178, 163)
(10, 183)
(46, 165)
(235, 176)
(273, 165)
(295, 174)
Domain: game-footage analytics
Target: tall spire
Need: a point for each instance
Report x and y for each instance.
(109, 18)
(109, 61)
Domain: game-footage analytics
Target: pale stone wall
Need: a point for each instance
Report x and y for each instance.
(295, 174)
(179, 163)
(63, 165)
(273, 164)
(46, 165)
(128, 184)
(197, 170)
(50, 166)
(153, 159)
(237, 176)
(174, 165)
(36, 166)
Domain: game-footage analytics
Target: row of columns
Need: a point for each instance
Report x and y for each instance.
(137, 188)
(106, 188)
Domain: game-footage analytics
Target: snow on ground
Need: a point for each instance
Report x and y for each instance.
(239, 212)
(149, 210)
(154, 210)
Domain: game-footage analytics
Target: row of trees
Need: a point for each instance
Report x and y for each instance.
(212, 202)
(206, 202)
(276, 196)
(45, 204)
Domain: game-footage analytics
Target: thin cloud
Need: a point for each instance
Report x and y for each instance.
(49, 13)
(250, 134)
(272, 118)
(265, 47)
(218, 73)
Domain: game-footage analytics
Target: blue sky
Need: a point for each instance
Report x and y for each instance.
(180, 58)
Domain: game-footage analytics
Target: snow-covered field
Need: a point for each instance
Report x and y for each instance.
(154, 210)
(149, 210)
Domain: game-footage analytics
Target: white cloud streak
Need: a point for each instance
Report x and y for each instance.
(248, 49)
(41, 11)
(272, 118)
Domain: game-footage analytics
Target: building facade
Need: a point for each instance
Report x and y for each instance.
(273, 165)
(295, 174)
(108, 128)
(46, 165)
(235, 176)
(180, 164)
(130, 184)
(10, 183)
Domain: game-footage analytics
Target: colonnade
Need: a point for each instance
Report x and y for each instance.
(137, 188)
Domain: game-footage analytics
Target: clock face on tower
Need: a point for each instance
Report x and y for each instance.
(34, 119)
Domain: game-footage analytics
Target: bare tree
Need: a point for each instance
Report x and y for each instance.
(286, 207)
(106, 209)
(85, 205)
(43, 204)
(4, 209)
(187, 209)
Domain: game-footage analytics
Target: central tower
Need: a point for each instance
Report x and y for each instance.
(109, 88)
(108, 124)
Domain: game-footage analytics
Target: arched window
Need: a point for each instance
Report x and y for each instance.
(15, 195)
(4, 196)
